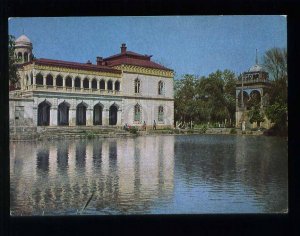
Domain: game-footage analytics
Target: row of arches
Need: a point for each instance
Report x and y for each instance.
(76, 82)
(63, 114)
(137, 86)
(249, 100)
(23, 57)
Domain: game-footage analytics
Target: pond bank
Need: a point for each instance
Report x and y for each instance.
(58, 133)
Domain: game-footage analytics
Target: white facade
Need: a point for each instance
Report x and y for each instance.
(86, 94)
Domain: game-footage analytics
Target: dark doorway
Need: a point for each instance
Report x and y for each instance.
(81, 114)
(44, 114)
(63, 114)
(98, 114)
(113, 115)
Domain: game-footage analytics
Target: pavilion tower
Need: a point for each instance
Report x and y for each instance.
(23, 49)
(252, 87)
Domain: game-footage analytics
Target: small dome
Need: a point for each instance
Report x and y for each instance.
(256, 68)
(23, 40)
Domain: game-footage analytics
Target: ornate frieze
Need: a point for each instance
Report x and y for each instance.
(145, 71)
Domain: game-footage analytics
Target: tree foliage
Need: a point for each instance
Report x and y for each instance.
(14, 76)
(275, 62)
(205, 99)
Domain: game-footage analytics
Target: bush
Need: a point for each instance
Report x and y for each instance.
(204, 129)
(233, 131)
(133, 130)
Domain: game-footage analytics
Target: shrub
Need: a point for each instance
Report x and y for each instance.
(233, 131)
(203, 129)
(133, 130)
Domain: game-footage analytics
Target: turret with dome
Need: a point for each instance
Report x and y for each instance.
(252, 87)
(23, 49)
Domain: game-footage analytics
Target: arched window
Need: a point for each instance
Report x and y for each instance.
(39, 79)
(69, 82)
(137, 85)
(160, 113)
(25, 57)
(117, 86)
(160, 87)
(102, 84)
(44, 113)
(109, 85)
(49, 80)
(19, 56)
(137, 112)
(59, 81)
(94, 84)
(63, 113)
(81, 114)
(77, 82)
(86, 83)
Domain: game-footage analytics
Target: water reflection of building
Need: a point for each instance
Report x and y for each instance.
(127, 175)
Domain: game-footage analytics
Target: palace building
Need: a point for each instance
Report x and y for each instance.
(124, 88)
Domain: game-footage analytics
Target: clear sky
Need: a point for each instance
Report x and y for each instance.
(187, 44)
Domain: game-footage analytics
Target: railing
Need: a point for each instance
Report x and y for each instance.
(50, 88)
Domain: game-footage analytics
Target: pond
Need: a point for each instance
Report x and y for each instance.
(163, 174)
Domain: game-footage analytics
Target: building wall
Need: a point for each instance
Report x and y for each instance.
(125, 100)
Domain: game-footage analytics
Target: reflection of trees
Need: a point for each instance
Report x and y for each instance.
(257, 164)
(265, 165)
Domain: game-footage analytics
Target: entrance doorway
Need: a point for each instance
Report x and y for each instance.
(113, 115)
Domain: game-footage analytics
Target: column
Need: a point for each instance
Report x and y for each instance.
(105, 117)
(72, 116)
(64, 83)
(73, 84)
(90, 84)
(53, 116)
(89, 116)
(81, 84)
(34, 81)
(119, 118)
(98, 84)
(54, 82)
(44, 81)
(113, 86)
(261, 98)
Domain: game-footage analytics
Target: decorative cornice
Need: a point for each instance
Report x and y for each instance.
(145, 70)
(76, 71)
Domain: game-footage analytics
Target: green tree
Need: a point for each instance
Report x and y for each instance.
(256, 115)
(275, 62)
(14, 76)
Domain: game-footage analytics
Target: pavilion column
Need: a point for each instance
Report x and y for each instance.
(98, 84)
(113, 86)
(81, 84)
(261, 98)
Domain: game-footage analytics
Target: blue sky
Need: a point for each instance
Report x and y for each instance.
(187, 44)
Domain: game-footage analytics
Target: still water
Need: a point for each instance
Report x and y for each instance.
(190, 174)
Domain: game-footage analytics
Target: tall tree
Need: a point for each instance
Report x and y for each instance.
(14, 76)
(275, 62)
